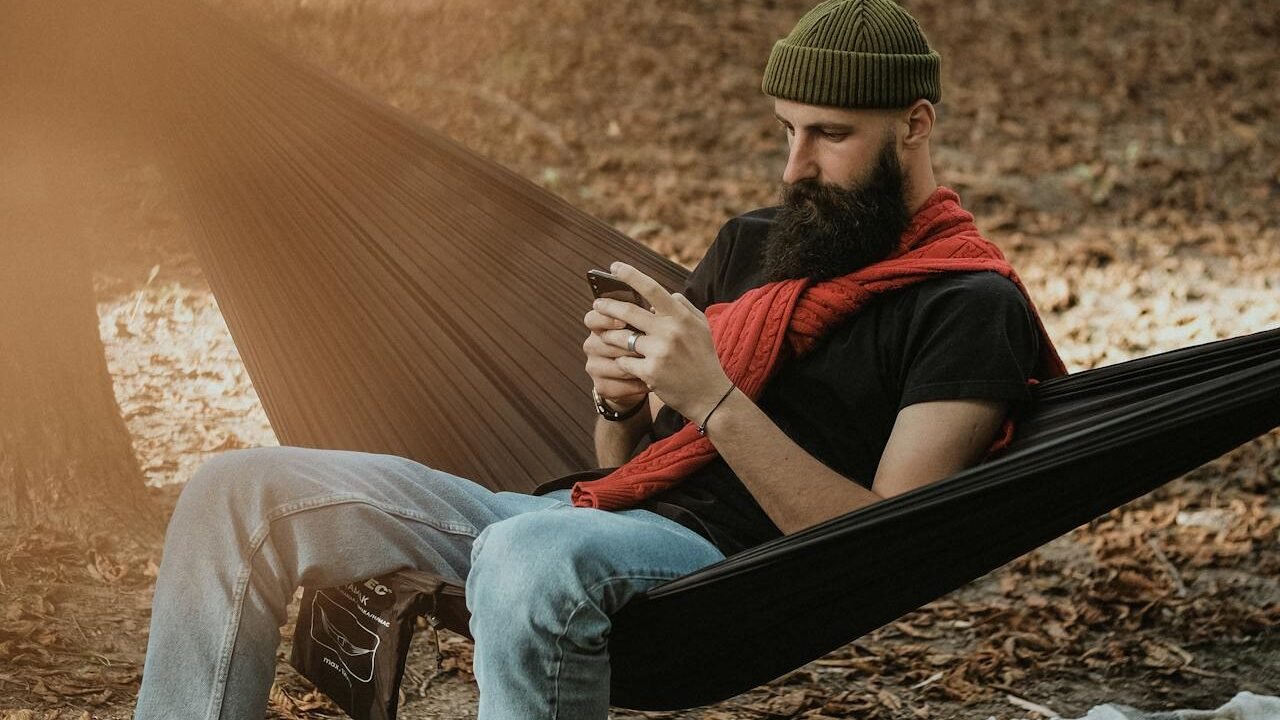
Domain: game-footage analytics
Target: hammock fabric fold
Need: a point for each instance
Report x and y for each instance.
(392, 292)
(1095, 441)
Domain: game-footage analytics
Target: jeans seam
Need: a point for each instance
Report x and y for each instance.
(555, 700)
(256, 540)
(334, 498)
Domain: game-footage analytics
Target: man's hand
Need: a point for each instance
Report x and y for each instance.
(674, 357)
(610, 381)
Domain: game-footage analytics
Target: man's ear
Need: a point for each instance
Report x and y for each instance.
(919, 119)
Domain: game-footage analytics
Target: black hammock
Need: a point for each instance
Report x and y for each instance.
(392, 292)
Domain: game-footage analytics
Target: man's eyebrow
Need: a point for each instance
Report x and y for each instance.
(829, 126)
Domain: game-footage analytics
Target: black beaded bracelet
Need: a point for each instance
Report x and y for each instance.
(702, 429)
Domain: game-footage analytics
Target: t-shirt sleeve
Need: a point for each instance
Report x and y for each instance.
(973, 337)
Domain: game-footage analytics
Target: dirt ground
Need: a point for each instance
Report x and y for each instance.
(1125, 156)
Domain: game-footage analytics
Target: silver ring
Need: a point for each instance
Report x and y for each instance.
(631, 341)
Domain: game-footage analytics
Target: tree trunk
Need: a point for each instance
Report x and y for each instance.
(66, 458)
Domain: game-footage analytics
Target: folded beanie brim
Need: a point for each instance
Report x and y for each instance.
(818, 76)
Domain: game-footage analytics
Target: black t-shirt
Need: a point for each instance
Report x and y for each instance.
(967, 335)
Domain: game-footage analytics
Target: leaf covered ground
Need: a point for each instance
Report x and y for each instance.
(1125, 155)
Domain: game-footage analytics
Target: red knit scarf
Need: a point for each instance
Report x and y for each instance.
(767, 325)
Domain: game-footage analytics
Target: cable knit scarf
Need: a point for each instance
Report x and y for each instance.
(756, 333)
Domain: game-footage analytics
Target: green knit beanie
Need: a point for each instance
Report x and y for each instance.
(854, 54)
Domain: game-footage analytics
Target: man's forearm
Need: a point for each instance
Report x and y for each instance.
(616, 439)
(794, 489)
(930, 441)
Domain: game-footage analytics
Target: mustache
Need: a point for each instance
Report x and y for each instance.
(810, 202)
(808, 189)
(802, 193)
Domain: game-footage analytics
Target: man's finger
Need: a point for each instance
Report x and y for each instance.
(634, 366)
(596, 344)
(629, 313)
(619, 339)
(680, 298)
(621, 388)
(595, 320)
(648, 288)
(602, 368)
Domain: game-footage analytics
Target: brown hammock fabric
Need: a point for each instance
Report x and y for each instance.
(389, 290)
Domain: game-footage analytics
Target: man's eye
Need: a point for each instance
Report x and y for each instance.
(835, 136)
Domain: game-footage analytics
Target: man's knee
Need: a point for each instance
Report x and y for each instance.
(551, 574)
(246, 487)
(231, 475)
(542, 554)
(241, 486)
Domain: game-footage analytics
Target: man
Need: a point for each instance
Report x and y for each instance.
(840, 349)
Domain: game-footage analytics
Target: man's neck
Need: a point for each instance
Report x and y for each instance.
(919, 190)
(920, 184)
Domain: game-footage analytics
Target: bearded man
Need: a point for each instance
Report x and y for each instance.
(910, 341)
(857, 342)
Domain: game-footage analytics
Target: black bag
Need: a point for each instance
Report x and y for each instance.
(351, 641)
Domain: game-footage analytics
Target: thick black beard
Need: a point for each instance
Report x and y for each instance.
(825, 231)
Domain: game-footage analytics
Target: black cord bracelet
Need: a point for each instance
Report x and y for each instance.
(702, 429)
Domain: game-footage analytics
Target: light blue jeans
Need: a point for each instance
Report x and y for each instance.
(542, 576)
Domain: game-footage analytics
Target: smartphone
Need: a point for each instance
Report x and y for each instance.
(607, 285)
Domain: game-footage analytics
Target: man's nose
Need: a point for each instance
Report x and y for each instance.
(800, 162)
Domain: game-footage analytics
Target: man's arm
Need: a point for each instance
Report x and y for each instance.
(615, 439)
(615, 442)
(929, 441)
